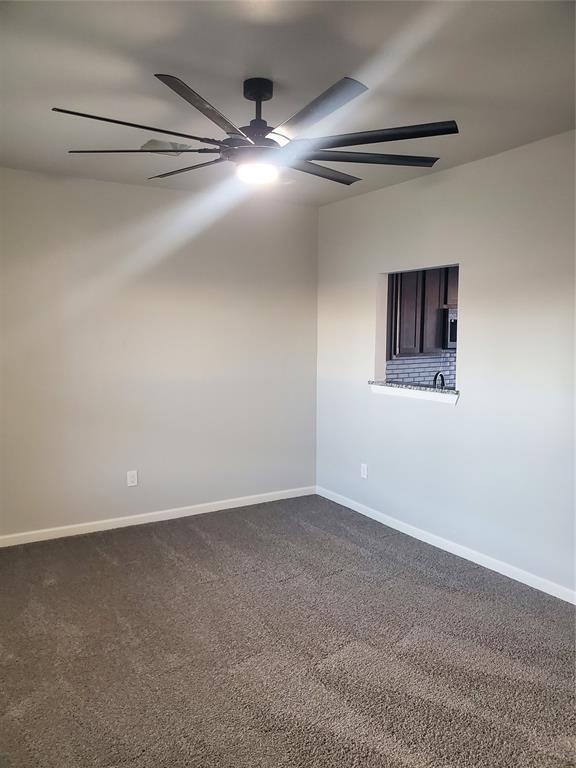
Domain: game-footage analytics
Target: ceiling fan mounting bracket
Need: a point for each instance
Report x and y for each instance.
(258, 89)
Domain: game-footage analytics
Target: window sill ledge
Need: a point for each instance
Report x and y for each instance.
(446, 396)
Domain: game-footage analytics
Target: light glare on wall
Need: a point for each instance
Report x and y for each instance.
(257, 173)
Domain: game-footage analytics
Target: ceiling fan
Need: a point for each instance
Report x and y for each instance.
(259, 150)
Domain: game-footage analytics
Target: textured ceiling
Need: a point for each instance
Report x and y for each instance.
(503, 70)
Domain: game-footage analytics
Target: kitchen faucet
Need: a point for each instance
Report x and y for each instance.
(439, 377)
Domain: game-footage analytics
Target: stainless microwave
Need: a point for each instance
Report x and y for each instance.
(450, 327)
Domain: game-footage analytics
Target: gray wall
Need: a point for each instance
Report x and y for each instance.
(494, 473)
(139, 334)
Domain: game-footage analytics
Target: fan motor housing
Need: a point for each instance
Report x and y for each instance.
(250, 153)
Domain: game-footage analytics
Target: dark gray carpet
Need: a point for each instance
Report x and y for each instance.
(296, 633)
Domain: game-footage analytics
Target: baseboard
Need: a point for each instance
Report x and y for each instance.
(544, 585)
(43, 534)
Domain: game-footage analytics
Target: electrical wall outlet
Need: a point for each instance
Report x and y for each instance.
(364, 471)
(132, 477)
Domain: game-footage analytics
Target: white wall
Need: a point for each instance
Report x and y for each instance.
(494, 473)
(135, 339)
(140, 334)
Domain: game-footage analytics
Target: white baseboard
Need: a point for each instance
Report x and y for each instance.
(550, 587)
(544, 585)
(43, 534)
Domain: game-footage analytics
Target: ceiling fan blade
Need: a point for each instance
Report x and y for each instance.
(329, 156)
(332, 99)
(325, 173)
(216, 142)
(188, 168)
(385, 134)
(146, 151)
(193, 98)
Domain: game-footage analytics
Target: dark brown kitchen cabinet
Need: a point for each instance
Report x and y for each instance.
(452, 286)
(417, 310)
(433, 310)
(409, 313)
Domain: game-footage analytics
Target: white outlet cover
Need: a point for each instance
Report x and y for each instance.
(132, 477)
(364, 470)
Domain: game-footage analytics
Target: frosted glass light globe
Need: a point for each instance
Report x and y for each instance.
(257, 173)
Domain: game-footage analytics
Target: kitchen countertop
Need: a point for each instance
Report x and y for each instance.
(417, 387)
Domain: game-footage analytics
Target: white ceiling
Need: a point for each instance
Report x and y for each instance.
(503, 70)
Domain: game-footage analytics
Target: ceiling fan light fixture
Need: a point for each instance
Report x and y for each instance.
(257, 173)
(249, 147)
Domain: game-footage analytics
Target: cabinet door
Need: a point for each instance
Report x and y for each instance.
(409, 318)
(433, 318)
(452, 286)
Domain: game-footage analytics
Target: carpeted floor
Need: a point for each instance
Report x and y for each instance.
(289, 634)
